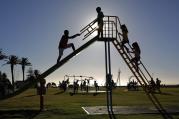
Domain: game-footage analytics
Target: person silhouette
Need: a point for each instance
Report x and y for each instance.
(99, 19)
(136, 51)
(153, 85)
(96, 86)
(124, 36)
(63, 44)
(158, 84)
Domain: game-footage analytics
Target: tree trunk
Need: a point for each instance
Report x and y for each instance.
(12, 72)
(23, 70)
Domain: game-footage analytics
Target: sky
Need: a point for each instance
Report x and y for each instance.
(33, 28)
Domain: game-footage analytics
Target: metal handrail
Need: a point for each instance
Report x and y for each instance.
(94, 21)
(87, 26)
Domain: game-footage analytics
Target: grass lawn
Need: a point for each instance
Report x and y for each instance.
(60, 105)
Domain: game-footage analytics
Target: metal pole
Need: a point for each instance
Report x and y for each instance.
(110, 77)
(108, 71)
(116, 27)
(112, 29)
(41, 98)
(106, 66)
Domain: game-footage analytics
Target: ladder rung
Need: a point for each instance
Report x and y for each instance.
(91, 27)
(88, 30)
(118, 48)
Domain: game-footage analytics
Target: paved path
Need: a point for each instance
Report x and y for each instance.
(97, 110)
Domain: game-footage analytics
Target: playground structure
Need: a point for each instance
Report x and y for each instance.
(79, 84)
(111, 34)
(132, 85)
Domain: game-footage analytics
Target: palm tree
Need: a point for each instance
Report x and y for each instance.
(12, 60)
(24, 62)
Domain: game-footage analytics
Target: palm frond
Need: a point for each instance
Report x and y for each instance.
(25, 62)
(12, 59)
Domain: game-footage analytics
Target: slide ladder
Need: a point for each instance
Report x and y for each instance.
(89, 29)
(141, 78)
(142, 74)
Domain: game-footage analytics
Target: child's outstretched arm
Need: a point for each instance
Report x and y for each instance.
(71, 37)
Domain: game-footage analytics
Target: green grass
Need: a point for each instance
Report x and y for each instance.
(63, 106)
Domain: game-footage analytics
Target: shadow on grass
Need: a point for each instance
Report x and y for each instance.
(163, 93)
(61, 92)
(28, 114)
(30, 95)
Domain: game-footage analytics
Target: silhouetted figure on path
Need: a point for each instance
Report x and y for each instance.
(136, 51)
(152, 85)
(64, 43)
(84, 84)
(124, 36)
(96, 86)
(158, 84)
(64, 85)
(100, 21)
(75, 87)
(81, 86)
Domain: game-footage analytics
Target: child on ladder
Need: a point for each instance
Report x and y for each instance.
(136, 51)
(125, 37)
(63, 43)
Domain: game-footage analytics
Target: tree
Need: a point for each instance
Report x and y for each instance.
(5, 85)
(12, 60)
(0, 75)
(24, 62)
